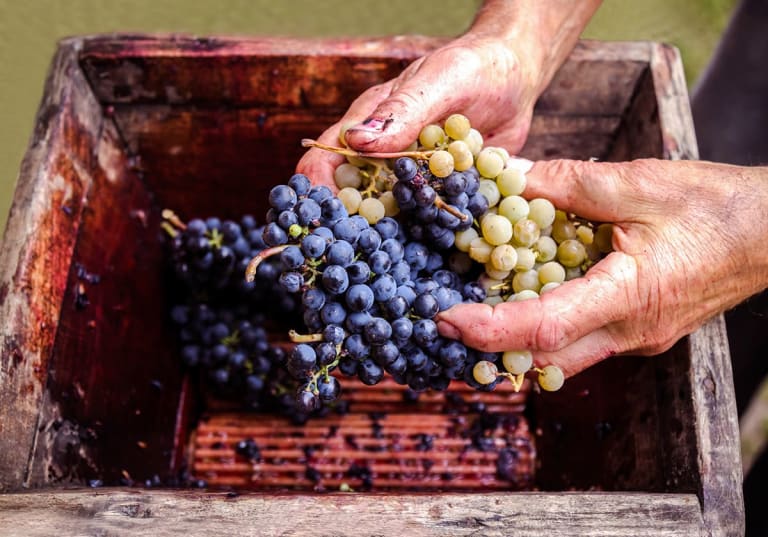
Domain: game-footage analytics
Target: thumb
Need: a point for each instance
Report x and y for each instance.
(600, 191)
(421, 95)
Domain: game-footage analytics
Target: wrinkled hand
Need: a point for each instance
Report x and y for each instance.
(474, 76)
(689, 242)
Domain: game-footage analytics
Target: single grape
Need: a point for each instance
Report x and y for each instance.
(489, 163)
(551, 272)
(372, 210)
(347, 176)
(490, 191)
(551, 378)
(571, 253)
(485, 372)
(496, 229)
(517, 362)
(542, 212)
(441, 163)
(457, 126)
(432, 136)
(511, 182)
(514, 208)
(351, 198)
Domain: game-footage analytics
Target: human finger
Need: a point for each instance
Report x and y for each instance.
(607, 293)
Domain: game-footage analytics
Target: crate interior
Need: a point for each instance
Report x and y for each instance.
(207, 129)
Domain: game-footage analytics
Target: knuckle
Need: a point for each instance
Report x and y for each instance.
(551, 334)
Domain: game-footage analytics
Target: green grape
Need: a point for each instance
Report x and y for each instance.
(457, 126)
(464, 239)
(514, 208)
(551, 378)
(493, 300)
(492, 287)
(571, 253)
(441, 163)
(372, 210)
(551, 272)
(503, 153)
(474, 141)
(563, 230)
(489, 189)
(511, 182)
(489, 163)
(463, 159)
(525, 294)
(351, 198)
(604, 238)
(485, 372)
(496, 229)
(542, 212)
(480, 250)
(504, 257)
(432, 136)
(585, 235)
(545, 249)
(517, 362)
(525, 232)
(571, 273)
(527, 279)
(526, 259)
(495, 273)
(391, 208)
(547, 287)
(347, 175)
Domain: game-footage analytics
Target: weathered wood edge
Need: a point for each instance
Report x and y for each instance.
(177, 44)
(717, 427)
(36, 253)
(183, 512)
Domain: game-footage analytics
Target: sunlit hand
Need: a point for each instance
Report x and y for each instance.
(689, 242)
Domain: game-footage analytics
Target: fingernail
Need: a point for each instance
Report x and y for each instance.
(448, 330)
(518, 163)
(371, 124)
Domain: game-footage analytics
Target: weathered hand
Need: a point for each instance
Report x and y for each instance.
(689, 242)
(475, 76)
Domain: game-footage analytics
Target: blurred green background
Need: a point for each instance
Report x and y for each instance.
(29, 31)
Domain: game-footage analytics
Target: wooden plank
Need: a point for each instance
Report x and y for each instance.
(36, 253)
(110, 405)
(711, 378)
(161, 513)
(280, 72)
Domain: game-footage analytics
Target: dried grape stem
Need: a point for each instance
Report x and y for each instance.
(440, 204)
(250, 270)
(171, 217)
(304, 338)
(308, 142)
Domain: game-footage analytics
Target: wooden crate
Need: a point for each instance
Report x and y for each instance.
(89, 382)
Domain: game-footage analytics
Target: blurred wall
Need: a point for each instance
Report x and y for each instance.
(29, 30)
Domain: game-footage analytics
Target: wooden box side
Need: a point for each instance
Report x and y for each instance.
(36, 251)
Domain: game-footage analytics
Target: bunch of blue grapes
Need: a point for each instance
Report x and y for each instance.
(223, 321)
(369, 295)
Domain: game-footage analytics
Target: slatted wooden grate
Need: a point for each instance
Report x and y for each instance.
(456, 440)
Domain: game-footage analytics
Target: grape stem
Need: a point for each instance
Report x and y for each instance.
(253, 265)
(173, 218)
(516, 380)
(347, 152)
(304, 338)
(440, 204)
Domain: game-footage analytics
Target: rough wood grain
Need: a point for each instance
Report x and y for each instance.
(711, 378)
(165, 513)
(36, 253)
